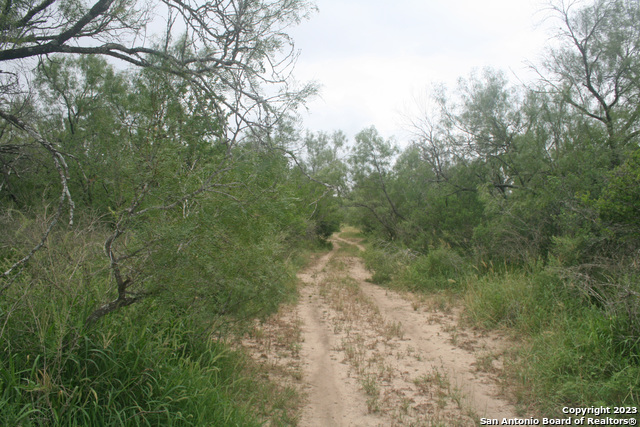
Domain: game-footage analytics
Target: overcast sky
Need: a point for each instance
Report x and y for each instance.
(372, 58)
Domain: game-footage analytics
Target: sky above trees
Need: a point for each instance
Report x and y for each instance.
(375, 58)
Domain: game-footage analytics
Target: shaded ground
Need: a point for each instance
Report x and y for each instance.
(367, 356)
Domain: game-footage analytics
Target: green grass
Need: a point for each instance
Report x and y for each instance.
(571, 363)
(348, 232)
(567, 349)
(383, 264)
(139, 375)
(441, 269)
(347, 249)
(156, 362)
(151, 372)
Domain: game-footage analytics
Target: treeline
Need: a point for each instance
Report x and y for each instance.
(147, 209)
(527, 198)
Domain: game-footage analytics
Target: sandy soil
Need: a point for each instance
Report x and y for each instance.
(368, 356)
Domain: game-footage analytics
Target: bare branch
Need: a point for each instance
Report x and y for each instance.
(65, 194)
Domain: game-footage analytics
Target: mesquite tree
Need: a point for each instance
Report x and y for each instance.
(595, 67)
(215, 73)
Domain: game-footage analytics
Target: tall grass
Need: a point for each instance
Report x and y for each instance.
(439, 269)
(569, 348)
(134, 371)
(157, 362)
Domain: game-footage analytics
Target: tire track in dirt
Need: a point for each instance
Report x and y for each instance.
(414, 366)
(433, 340)
(334, 398)
(363, 355)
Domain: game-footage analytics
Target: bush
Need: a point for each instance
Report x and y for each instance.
(441, 268)
(383, 262)
(151, 363)
(620, 199)
(525, 301)
(572, 362)
(570, 352)
(134, 371)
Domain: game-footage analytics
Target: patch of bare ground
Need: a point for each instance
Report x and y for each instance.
(274, 345)
(366, 356)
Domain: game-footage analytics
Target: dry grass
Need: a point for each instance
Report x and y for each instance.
(399, 383)
(274, 346)
(371, 346)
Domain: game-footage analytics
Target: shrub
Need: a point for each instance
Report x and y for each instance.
(441, 268)
(383, 262)
(134, 371)
(570, 352)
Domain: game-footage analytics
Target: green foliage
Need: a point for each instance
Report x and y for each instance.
(151, 164)
(595, 69)
(135, 371)
(177, 234)
(383, 262)
(320, 177)
(572, 353)
(525, 301)
(619, 203)
(568, 351)
(370, 159)
(440, 269)
(572, 363)
(183, 211)
(188, 209)
(154, 364)
(433, 215)
(535, 192)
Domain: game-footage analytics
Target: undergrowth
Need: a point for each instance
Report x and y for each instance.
(134, 371)
(570, 348)
(161, 361)
(441, 269)
(570, 351)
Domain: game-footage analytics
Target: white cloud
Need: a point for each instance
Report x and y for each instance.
(371, 57)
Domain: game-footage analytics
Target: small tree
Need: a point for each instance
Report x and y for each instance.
(218, 74)
(371, 160)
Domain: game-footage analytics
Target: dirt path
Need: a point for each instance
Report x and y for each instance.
(367, 356)
(333, 394)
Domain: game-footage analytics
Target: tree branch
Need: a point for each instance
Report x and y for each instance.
(61, 167)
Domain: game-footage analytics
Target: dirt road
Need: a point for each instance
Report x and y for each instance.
(367, 356)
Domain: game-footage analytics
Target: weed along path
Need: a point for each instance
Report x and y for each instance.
(362, 355)
(334, 396)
